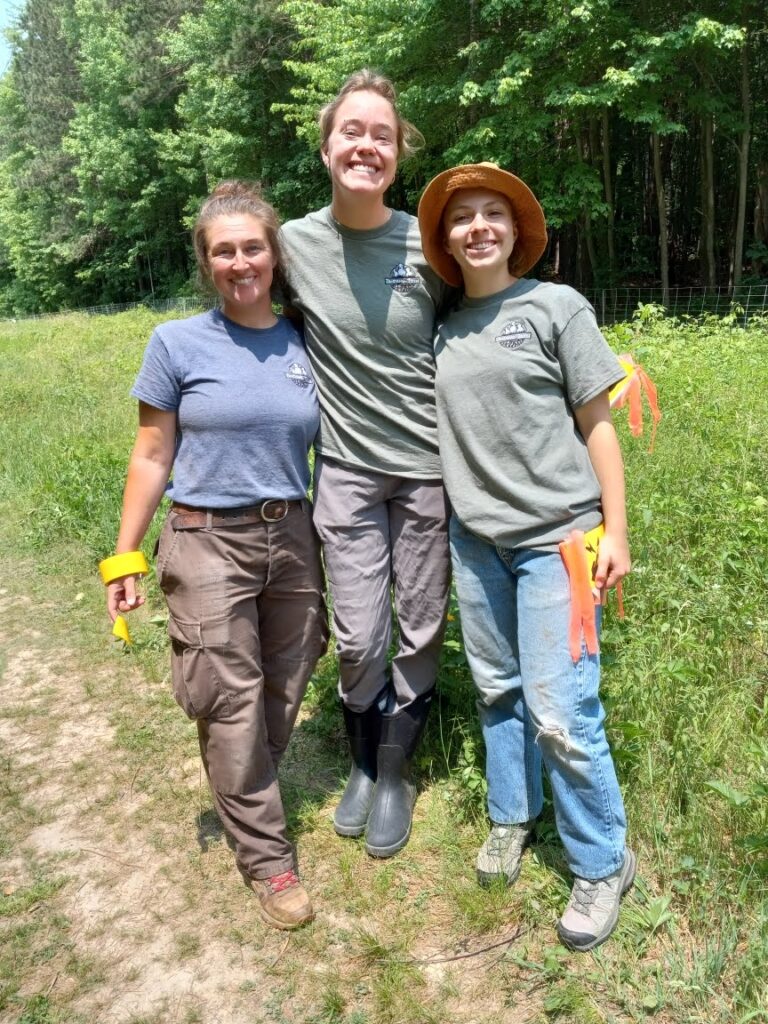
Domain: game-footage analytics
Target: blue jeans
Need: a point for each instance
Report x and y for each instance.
(535, 704)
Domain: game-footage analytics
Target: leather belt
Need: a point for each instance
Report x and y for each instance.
(274, 510)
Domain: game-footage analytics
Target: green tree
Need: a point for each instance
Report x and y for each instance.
(230, 63)
(37, 100)
(129, 200)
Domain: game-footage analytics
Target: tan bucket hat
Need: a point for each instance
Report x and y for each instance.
(529, 217)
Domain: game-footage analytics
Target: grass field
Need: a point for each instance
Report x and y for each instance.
(119, 899)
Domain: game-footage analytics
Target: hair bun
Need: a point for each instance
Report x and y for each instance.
(235, 189)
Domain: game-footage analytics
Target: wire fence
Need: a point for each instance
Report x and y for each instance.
(612, 305)
(185, 304)
(617, 305)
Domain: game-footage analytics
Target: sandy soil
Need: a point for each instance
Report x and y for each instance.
(161, 929)
(125, 908)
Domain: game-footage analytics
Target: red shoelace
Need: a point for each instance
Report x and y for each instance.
(279, 883)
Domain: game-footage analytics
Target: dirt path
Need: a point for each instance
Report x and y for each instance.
(129, 952)
(130, 910)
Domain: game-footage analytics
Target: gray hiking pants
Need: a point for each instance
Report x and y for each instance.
(383, 537)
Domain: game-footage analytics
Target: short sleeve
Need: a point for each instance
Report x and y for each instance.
(589, 365)
(157, 383)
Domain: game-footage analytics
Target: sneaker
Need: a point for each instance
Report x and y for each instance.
(502, 852)
(283, 900)
(593, 908)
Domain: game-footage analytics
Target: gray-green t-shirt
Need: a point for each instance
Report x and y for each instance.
(368, 299)
(511, 368)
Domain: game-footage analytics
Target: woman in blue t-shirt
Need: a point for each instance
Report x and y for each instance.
(227, 402)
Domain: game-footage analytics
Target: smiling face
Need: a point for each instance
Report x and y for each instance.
(241, 262)
(480, 234)
(361, 150)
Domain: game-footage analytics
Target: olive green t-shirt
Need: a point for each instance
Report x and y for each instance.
(511, 368)
(368, 299)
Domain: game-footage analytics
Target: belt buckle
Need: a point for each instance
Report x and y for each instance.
(282, 509)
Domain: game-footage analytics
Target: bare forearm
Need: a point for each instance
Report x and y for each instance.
(148, 473)
(605, 456)
(594, 422)
(144, 488)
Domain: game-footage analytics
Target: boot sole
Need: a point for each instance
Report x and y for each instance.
(383, 852)
(349, 831)
(285, 926)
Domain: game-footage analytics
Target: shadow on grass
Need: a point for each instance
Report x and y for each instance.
(210, 831)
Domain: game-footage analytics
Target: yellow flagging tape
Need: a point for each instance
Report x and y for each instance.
(131, 563)
(592, 547)
(120, 630)
(592, 540)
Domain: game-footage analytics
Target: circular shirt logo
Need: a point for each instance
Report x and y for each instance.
(514, 334)
(298, 375)
(402, 279)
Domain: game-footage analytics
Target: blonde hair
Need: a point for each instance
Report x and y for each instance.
(409, 138)
(231, 198)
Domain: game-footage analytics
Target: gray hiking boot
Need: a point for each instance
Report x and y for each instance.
(593, 908)
(501, 853)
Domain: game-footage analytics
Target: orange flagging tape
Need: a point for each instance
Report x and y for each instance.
(631, 389)
(579, 552)
(574, 555)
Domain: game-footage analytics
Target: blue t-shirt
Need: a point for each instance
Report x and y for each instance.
(246, 403)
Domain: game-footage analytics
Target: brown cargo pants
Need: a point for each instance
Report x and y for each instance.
(247, 625)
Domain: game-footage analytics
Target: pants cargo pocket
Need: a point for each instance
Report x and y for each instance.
(197, 686)
(166, 543)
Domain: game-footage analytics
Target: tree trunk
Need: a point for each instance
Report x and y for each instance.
(661, 204)
(472, 112)
(608, 188)
(590, 264)
(761, 203)
(708, 200)
(741, 210)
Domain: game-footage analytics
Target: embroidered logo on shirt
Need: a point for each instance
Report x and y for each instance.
(402, 279)
(514, 334)
(298, 375)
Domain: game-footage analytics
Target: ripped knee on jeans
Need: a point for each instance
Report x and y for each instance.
(556, 733)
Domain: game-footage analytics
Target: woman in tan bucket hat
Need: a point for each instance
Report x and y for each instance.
(533, 469)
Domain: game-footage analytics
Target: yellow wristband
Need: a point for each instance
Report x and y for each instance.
(132, 563)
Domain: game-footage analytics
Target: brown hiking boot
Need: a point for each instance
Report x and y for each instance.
(283, 900)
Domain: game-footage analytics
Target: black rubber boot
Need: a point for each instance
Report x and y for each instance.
(351, 816)
(389, 823)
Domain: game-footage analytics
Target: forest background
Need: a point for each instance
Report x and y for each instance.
(641, 127)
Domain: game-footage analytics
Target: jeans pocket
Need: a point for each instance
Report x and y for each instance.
(197, 686)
